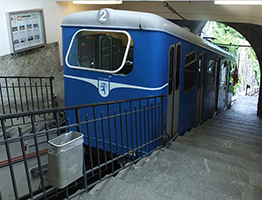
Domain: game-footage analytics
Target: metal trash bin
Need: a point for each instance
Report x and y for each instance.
(65, 159)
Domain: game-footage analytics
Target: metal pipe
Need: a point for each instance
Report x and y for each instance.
(89, 145)
(140, 125)
(121, 129)
(173, 10)
(25, 163)
(127, 135)
(8, 154)
(97, 142)
(132, 131)
(104, 137)
(110, 136)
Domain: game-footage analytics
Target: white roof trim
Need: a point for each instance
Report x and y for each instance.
(121, 19)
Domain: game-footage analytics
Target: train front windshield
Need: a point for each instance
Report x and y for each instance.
(101, 51)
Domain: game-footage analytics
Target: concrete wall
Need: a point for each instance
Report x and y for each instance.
(45, 61)
(53, 15)
(36, 62)
(245, 69)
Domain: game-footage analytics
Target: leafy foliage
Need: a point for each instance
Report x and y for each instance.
(224, 34)
(255, 64)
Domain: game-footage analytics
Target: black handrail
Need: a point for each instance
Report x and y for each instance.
(116, 131)
(21, 94)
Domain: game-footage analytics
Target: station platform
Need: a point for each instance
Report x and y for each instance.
(219, 159)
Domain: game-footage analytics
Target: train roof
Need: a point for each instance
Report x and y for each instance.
(123, 19)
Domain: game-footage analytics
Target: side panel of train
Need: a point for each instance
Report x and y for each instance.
(217, 96)
(84, 87)
(204, 86)
(157, 63)
(142, 80)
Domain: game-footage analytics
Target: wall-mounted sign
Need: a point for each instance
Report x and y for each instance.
(27, 29)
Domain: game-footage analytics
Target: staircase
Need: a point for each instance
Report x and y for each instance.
(220, 159)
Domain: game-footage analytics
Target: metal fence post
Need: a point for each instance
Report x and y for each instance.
(162, 119)
(52, 96)
(0, 195)
(9, 157)
(51, 91)
(78, 120)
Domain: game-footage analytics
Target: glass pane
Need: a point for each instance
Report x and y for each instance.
(178, 65)
(101, 51)
(85, 54)
(171, 67)
(223, 74)
(210, 73)
(190, 72)
(105, 55)
(117, 53)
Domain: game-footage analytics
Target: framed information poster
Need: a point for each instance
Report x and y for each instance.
(27, 29)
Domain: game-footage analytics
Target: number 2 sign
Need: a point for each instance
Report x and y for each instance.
(103, 16)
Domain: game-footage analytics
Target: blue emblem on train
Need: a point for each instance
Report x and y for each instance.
(103, 87)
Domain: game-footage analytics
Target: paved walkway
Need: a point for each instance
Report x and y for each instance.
(245, 105)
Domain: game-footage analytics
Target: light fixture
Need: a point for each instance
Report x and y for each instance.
(105, 2)
(238, 2)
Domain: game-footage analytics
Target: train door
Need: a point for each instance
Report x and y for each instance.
(230, 90)
(222, 86)
(200, 91)
(226, 88)
(227, 83)
(173, 89)
(217, 72)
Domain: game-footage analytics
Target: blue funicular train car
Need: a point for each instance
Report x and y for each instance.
(114, 55)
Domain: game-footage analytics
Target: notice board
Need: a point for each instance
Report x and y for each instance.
(26, 29)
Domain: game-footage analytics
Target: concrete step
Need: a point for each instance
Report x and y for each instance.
(84, 196)
(242, 128)
(233, 116)
(221, 118)
(189, 162)
(227, 135)
(117, 189)
(216, 156)
(175, 186)
(228, 142)
(193, 177)
(241, 120)
(229, 131)
(221, 149)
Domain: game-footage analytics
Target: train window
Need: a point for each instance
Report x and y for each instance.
(101, 51)
(171, 68)
(200, 70)
(178, 64)
(190, 71)
(223, 74)
(177, 58)
(105, 55)
(211, 72)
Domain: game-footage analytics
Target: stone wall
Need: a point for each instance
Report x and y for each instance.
(245, 70)
(253, 34)
(42, 61)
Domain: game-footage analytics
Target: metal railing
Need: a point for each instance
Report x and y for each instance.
(254, 91)
(23, 93)
(116, 134)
